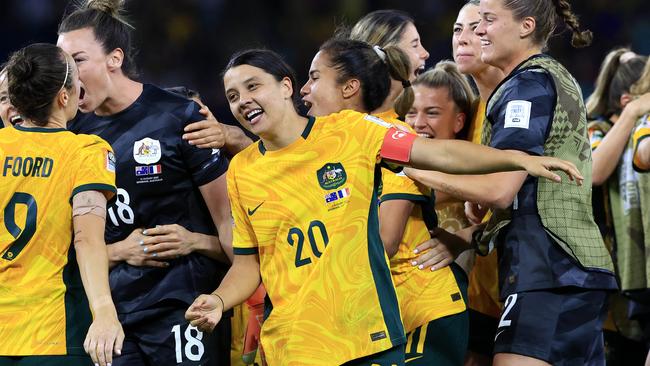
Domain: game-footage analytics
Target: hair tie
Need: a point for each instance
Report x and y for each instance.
(406, 84)
(380, 52)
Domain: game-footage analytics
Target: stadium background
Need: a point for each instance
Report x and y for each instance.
(188, 42)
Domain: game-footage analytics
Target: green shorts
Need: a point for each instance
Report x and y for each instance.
(63, 360)
(443, 341)
(390, 357)
(440, 342)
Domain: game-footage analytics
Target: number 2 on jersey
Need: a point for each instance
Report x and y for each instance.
(296, 236)
(24, 235)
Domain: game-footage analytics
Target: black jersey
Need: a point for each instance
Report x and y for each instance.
(158, 178)
(529, 259)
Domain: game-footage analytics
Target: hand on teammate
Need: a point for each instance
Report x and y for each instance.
(104, 338)
(133, 251)
(165, 242)
(542, 166)
(205, 312)
(206, 134)
(439, 251)
(443, 248)
(475, 212)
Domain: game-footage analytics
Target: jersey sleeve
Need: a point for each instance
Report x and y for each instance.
(641, 132)
(388, 143)
(596, 132)
(205, 165)
(94, 168)
(397, 186)
(521, 118)
(244, 241)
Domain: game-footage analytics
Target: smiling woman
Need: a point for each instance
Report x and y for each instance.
(385, 28)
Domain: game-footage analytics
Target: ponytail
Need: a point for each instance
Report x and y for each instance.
(614, 79)
(579, 39)
(399, 68)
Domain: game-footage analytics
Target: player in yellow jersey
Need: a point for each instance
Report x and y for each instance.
(642, 146)
(53, 182)
(483, 292)
(432, 307)
(321, 259)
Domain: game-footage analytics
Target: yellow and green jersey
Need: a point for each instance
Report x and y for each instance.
(641, 132)
(424, 295)
(309, 210)
(483, 290)
(476, 128)
(43, 307)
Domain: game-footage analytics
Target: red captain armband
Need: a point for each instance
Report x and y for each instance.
(397, 145)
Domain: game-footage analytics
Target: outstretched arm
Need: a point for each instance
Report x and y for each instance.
(462, 157)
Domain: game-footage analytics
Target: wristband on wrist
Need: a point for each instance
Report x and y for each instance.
(223, 305)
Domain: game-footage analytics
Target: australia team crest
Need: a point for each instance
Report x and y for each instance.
(331, 176)
(147, 151)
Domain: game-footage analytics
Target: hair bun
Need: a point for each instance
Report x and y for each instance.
(111, 7)
(23, 69)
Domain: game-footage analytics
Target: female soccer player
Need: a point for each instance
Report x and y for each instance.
(616, 193)
(395, 28)
(552, 260)
(321, 259)
(53, 182)
(385, 28)
(615, 114)
(173, 190)
(483, 291)
(443, 108)
(347, 74)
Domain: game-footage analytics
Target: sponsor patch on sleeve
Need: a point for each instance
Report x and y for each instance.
(518, 114)
(110, 161)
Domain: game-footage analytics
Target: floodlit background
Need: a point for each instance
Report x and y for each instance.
(188, 42)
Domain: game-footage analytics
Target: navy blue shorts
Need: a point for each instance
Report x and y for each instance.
(164, 338)
(560, 326)
(482, 328)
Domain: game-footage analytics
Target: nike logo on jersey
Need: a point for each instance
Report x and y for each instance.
(498, 334)
(252, 212)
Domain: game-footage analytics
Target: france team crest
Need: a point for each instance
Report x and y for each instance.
(147, 151)
(331, 176)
